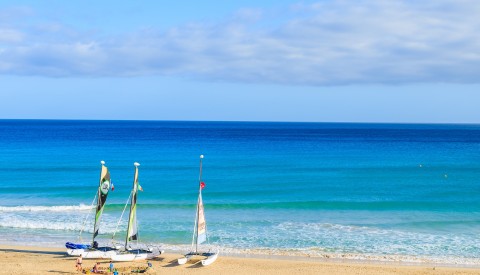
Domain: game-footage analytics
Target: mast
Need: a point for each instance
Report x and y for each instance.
(198, 204)
(102, 193)
(132, 220)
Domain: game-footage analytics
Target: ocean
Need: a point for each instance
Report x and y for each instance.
(393, 192)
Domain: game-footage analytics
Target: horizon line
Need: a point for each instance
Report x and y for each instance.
(240, 121)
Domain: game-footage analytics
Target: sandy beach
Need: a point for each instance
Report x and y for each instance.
(40, 260)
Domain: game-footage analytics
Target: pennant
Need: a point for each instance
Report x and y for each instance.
(202, 185)
(113, 187)
(140, 187)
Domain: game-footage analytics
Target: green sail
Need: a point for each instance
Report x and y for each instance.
(132, 232)
(102, 194)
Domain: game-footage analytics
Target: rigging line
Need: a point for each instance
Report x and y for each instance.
(88, 215)
(121, 216)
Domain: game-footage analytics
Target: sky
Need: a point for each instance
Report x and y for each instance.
(314, 61)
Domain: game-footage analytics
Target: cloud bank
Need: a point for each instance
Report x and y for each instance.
(329, 43)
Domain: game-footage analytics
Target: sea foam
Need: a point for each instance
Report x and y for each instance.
(41, 208)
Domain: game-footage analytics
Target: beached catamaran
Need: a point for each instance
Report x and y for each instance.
(129, 253)
(92, 250)
(199, 230)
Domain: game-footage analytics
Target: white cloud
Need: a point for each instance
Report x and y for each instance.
(330, 43)
(10, 36)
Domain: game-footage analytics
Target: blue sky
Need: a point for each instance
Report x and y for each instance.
(325, 61)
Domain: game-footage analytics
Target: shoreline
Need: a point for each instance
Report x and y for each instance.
(24, 259)
(302, 256)
(346, 260)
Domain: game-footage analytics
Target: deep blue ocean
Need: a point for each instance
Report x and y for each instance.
(381, 191)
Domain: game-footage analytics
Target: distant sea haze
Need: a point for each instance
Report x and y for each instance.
(364, 191)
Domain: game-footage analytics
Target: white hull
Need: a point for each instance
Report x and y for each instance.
(97, 254)
(129, 257)
(75, 252)
(210, 259)
(184, 260)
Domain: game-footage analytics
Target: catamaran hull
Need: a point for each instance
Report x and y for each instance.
(184, 260)
(210, 259)
(76, 249)
(98, 254)
(75, 252)
(129, 257)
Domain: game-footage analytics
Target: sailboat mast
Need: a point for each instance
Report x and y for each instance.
(98, 199)
(198, 202)
(133, 201)
(200, 175)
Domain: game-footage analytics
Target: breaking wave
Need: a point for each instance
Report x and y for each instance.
(40, 208)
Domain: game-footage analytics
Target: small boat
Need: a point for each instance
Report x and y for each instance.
(93, 250)
(200, 230)
(128, 253)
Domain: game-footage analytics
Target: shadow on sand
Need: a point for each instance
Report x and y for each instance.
(196, 265)
(33, 251)
(172, 264)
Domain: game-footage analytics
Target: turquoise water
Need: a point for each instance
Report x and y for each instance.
(360, 190)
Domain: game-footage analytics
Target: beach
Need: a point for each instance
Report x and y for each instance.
(42, 260)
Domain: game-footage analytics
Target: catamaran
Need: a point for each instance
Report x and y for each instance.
(200, 230)
(129, 253)
(92, 250)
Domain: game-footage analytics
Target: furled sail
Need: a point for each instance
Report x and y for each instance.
(132, 232)
(102, 193)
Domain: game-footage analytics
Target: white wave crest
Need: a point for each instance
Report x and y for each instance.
(31, 224)
(40, 208)
(60, 220)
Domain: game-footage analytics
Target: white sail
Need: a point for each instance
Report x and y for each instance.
(201, 225)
